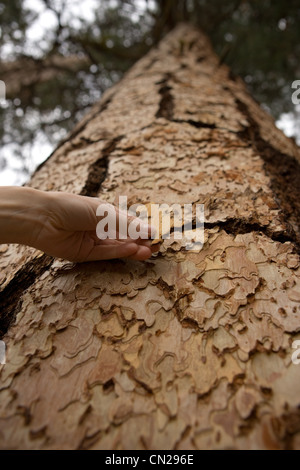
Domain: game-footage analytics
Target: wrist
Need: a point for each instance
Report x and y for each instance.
(22, 214)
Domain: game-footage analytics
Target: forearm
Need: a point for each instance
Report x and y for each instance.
(21, 213)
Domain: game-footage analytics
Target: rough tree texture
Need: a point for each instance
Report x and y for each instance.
(186, 350)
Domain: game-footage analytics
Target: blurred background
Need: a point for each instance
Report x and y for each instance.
(58, 56)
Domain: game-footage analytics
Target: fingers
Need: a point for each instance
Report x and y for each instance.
(117, 220)
(155, 248)
(105, 252)
(143, 253)
(111, 249)
(133, 227)
(145, 250)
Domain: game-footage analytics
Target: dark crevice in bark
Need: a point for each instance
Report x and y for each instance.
(235, 227)
(166, 105)
(286, 427)
(11, 295)
(98, 170)
(197, 124)
(284, 173)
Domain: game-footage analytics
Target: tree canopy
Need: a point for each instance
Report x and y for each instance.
(58, 56)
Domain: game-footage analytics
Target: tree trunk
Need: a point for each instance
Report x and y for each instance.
(186, 350)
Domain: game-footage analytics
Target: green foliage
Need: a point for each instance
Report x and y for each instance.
(259, 40)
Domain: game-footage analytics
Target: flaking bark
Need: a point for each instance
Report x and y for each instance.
(186, 350)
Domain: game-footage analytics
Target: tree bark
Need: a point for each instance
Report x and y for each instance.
(185, 350)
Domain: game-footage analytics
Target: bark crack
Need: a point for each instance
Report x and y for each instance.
(197, 124)
(166, 105)
(234, 226)
(98, 170)
(11, 295)
(284, 173)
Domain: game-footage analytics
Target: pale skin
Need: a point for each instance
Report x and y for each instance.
(63, 225)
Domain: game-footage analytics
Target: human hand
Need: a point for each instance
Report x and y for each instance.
(64, 225)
